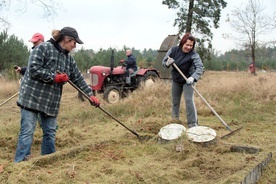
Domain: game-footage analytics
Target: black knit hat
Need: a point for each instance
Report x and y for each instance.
(69, 31)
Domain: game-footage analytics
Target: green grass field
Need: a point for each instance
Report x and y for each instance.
(94, 148)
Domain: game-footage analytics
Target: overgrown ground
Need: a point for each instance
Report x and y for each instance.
(93, 148)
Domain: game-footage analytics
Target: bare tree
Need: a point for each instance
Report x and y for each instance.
(251, 23)
(49, 8)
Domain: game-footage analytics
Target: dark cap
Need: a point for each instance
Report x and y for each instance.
(69, 31)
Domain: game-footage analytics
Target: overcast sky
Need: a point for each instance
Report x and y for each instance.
(115, 23)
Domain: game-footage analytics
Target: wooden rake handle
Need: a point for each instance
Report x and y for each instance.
(212, 109)
(88, 98)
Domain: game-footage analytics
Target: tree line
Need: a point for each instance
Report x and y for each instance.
(13, 51)
(233, 60)
(239, 60)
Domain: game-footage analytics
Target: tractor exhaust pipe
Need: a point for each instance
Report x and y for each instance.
(112, 63)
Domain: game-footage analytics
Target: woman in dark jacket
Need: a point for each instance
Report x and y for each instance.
(190, 64)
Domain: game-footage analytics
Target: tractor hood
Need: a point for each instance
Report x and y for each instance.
(104, 70)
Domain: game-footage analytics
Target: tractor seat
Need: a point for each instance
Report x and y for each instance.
(134, 72)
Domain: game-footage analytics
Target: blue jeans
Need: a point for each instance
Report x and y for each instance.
(188, 91)
(25, 138)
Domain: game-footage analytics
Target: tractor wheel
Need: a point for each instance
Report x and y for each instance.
(112, 94)
(149, 78)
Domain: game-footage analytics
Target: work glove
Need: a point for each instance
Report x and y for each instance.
(169, 62)
(190, 81)
(94, 101)
(61, 77)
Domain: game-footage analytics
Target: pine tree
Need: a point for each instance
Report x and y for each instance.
(198, 17)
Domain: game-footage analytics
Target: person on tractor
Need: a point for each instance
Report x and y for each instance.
(131, 65)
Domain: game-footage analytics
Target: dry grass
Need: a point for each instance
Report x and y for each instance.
(93, 148)
(8, 88)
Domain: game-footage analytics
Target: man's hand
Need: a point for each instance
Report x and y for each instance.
(169, 62)
(190, 81)
(121, 61)
(61, 77)
(94, 101)
(17, 68)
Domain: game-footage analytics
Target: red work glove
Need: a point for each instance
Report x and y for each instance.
(62, 77)
(121, 61)
(94, 101)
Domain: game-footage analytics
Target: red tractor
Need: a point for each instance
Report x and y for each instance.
(111, 81)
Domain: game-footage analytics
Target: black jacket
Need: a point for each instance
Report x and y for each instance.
(131, 62)
(190, 64)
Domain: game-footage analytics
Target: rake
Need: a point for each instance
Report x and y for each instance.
(205, 101)
(9, 99)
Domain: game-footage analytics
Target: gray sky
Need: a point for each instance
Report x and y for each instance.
(115, 23)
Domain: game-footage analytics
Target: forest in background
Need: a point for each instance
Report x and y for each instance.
(15, 52)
